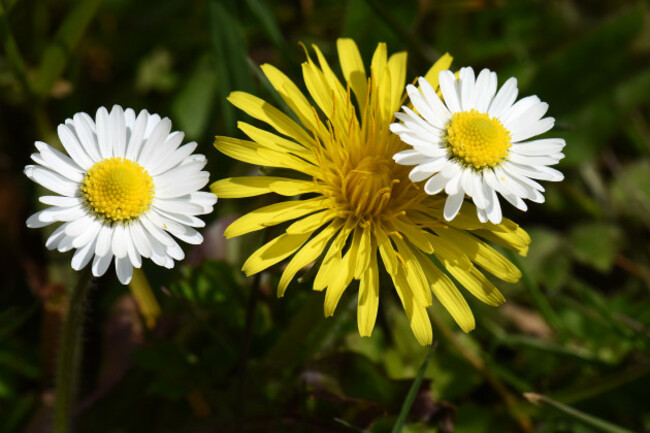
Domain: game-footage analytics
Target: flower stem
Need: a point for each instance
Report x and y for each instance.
(70, 350)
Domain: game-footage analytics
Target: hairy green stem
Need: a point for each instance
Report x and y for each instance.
(70, 350)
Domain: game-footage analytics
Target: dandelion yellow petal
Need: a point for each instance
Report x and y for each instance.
(449, 296)
(397, 69)
(274, 214)
(443, 63)
(509, 235)
(340, 281)
(414, 274)
(329, 267)
(262, 110)
(250, 186)
(386, 251)
(320, 90)
(286, 160)
(274, 251)
(378, 63)
(422, 239)
(353, 69)
(483, 255)
(307, 254)
(450, 253)
(339, 92)
(294, 98)
(416, 313)
(368, 301)
(477, 284)
(242, 150)
(311, 222)
(274, 142)
(366, 250)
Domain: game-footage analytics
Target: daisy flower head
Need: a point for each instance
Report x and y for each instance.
(123, 187)
(354, 209)
(470, 140)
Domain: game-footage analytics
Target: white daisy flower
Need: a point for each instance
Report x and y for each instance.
(123, 187)
(473, 142)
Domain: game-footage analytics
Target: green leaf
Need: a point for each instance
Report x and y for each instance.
(64, 43)
(596, 244)
(410, 397)
(193, 104)
(591, 420)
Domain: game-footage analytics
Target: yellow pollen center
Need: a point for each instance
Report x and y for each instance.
(117, 189)
(368, 187)
(476, 139)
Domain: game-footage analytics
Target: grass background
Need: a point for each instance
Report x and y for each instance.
(227, 355)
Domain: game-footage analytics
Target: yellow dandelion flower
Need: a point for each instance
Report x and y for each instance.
(355, 205)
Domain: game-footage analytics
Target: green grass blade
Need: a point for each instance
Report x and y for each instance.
(56, 55)
(10, 46)
(270, 26)
(413, 391)
(591, 420)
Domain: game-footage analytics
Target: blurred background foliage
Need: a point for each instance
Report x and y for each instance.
(226, 355)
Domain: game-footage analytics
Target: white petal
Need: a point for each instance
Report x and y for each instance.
(482, 215)
(178, 156)
(486, 87)
(124, 269)
(100, 264)
(204, 199)
(410, 157)
(132, 254)
(182, 186)
(544, 146)
(84, 127)
(183, 219)
(56, 236)
(56, 213)
(57, 200)
(74, 148)
(83, 255)
(140, 239)
(118, 244)
(157, 138)
(536, 128)
(156, 232)
(35, 222)
(493, 210)
(118, 131)
(51, 180)
(454, 184)
(519, 108)
(541, 172)
(467, 84)
(89, 236)
(504, 98)
(102, 120)
(78, 226)
(136, 138)
(436, 104)
(532, 160)
(426, 170)
(104, 239)
(165, 152)
(424, 107)
(449, 89)
(59, 162)
(435, 184)
(526, 118)
(452, 205)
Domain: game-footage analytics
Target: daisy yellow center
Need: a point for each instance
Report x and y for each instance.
(477, 140)
(117, 189)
